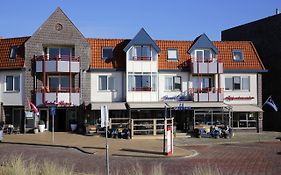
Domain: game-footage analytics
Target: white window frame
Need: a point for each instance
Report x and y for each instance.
(153, 84)
(135, 56)
(173, 83)
(170, 58)
(203, 55)
(13, 90)
(107, 83)
(58, 47)
(59, 77)
(241, 83)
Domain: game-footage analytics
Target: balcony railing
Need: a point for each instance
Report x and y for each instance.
(206, 66)
(207, 94)
(63, 63)
(141, 58)
(57, 90)
(142, 89)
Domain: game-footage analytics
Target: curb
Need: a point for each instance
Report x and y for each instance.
(49, 145)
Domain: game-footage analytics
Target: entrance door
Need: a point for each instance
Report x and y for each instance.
(17, 118)
(44, 115)
(60, 120)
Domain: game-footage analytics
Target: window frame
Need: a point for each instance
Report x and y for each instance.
(241, 83)
(173, 83)
(132, 83)
(13, 52)
(59, 89)
(108, 77)
(13, 83)
(238, 51)
(59, 56)
(102, 52)
(177, 54)
(142, 57)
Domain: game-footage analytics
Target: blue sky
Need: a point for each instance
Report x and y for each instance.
(162, 19)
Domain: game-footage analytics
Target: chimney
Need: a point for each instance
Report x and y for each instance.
(276, 11)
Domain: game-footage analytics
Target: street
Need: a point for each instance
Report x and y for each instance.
(237, 158)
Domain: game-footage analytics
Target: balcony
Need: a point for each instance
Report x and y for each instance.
(63, 97)
(207, 94)
(209, 66)
(64, 63)
(141, 58)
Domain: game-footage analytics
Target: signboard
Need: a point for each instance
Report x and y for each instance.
(53, 110)
(29, 119)
(181, 107)
(104, 116)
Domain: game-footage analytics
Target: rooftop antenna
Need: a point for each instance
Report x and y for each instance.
(276, 11)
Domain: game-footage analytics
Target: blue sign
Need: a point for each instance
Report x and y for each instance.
(181, 107)
(53, 111)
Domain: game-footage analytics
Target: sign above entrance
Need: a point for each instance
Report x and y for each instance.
(230, 98)
(181, 107)
(181, 97)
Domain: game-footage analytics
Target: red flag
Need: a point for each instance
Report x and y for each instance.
(33, 107)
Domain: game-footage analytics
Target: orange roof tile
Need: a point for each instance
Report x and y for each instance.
(5, 49)
(251, 59)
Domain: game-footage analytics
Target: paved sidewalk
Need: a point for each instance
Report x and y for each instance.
(96, 144)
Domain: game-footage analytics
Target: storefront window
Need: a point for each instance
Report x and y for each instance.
(244, 120)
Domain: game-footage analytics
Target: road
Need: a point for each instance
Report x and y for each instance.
(247, 158)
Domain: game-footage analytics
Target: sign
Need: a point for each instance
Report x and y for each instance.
(169, 149)
(28, 114)
(53, 110)
(104, 116)
(181, 107)
(183, 96)
(230, 98)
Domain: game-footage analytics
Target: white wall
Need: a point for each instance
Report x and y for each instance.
(163, 92)
(11, 98)
(107, 96)
(241, 93)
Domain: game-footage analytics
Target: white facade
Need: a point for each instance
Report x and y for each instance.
(116, 95)
(241, 96)
(11, 98)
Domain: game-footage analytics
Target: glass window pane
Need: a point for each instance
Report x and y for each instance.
(154, 82)
(237, 55)
(65, 52)
(228, 83)
(13, 53)
(9, 83)
(245, 83)
(53, 53)
(138, 51)
(107, 52)
(146, 81)
(199, 55)
(17, 83)
(172, 54)
(111, 83)
(236, 83)
(177, 83)
(207, 55)
(64, 83)
(195, 82)
(169, 83)
(131, 83)
(146, 51)
(54, 83)
(138, 79)
(102, 82)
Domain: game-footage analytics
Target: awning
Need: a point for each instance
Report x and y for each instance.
(197, 104)
(146, 105)
(110, 105)
(246, 108)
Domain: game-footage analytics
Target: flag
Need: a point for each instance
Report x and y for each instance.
(33, 107)
(271, 103)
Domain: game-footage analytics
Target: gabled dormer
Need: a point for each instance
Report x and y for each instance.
(204, 56)
(142, 47)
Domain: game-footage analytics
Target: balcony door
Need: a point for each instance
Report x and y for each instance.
(63, 53)
(204, 83)
(203, 55)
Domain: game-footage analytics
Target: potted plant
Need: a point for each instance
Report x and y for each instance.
(73, 125)
(41, 126)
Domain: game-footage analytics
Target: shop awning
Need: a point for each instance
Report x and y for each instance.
(110, 105)
(246, 108)
(197, 104)
(146, 105)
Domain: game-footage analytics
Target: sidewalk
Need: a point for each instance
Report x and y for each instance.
(96, 144)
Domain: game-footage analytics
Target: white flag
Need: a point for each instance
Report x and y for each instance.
(271, 103)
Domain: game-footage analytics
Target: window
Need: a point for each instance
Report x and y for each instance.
(59, 83)
(172, 54)
(244, 120)
(142, 82)
(106, 83)
(13, 52)
(173, 83)
(142, 53)
(237, 83)
(237, 55)
(204, 55)
(205, 83)
(54, 53)
(12, 83)
(107, 53)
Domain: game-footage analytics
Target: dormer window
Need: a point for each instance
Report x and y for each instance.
(173, 54)
(107, 53)
(142, 53)
(13, 53)
(237, 55)
(203, 55)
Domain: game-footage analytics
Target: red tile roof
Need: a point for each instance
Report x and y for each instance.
(5, 49)
(251, 59)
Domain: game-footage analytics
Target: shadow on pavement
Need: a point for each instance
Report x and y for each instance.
(143, 151)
